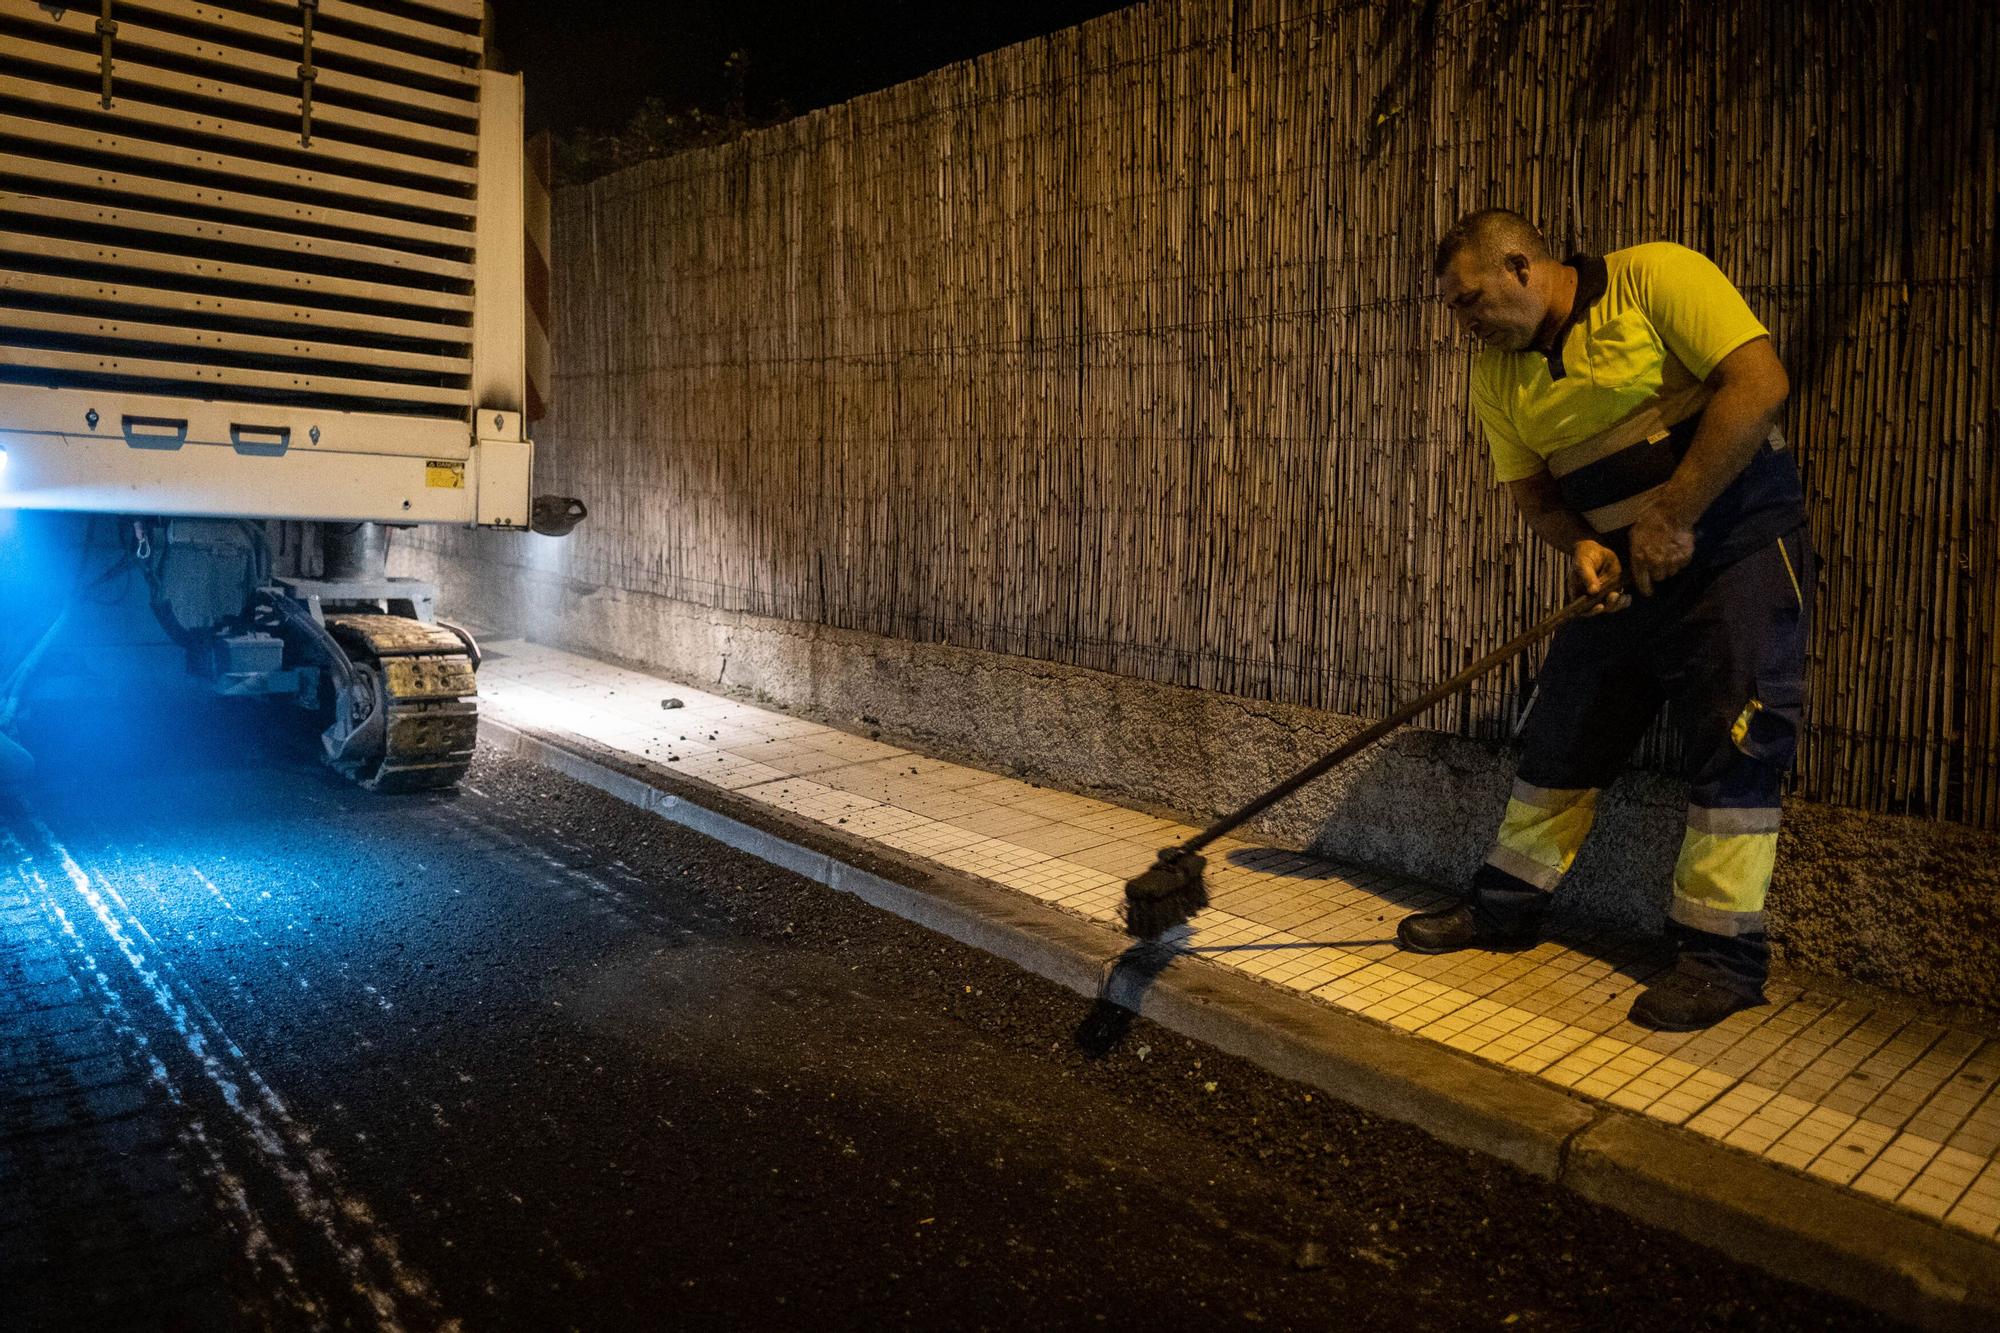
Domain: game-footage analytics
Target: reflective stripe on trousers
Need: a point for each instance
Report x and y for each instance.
(1726, 647)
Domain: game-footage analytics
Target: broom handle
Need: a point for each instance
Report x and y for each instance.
(1368, 736)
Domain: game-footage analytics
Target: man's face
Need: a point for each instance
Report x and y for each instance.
(1492, 299)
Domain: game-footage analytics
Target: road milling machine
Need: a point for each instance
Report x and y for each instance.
(265, 297)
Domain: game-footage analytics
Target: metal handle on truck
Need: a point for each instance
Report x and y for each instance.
(260, 439)
(155, 432)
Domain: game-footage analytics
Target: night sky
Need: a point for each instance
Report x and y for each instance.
(591, 65)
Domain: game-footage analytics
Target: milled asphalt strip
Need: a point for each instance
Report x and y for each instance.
(1795, 1226)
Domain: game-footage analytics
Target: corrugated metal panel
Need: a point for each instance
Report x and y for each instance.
(101, 183)
(117, 359)
(209, 267)
(466, 15)
(69, 215)
(274, 27)
(226, 229)
(171, 67)
(202, 310)
(73, 322)
(424, 29)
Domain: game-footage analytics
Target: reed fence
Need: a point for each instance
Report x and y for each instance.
(1116, 348)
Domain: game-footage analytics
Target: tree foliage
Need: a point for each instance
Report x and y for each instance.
(659, 130)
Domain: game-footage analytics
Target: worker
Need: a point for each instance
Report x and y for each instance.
(1629, 402)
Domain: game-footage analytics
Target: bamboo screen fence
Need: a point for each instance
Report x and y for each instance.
(1116, 348)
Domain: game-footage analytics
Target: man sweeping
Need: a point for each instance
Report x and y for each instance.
(1630, 403)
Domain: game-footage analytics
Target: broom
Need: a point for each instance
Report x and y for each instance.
(1171, 890)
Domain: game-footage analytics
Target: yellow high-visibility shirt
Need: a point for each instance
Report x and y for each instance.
(1647, 327)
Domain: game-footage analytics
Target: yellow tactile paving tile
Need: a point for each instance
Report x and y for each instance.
(1889, 1102)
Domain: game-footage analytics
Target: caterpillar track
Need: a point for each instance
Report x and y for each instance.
(410, 718)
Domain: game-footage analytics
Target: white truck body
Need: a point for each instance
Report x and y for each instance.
(261, 260)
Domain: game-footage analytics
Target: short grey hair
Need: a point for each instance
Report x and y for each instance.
(1487, 228)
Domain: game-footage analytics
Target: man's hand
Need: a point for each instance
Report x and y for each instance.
(1593, 568)
(1662, 545)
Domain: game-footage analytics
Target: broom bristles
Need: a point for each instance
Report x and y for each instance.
(1167, 894)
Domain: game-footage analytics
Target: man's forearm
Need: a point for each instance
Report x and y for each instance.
(1541, 504)
(1733, 427)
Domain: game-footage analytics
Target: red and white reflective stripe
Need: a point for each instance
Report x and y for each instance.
(535, 184)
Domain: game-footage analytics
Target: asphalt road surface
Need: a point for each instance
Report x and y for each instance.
(276, 1053)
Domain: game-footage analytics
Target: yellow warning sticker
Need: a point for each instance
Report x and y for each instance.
(444, 476)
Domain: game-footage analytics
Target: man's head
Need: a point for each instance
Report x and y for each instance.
(1496, 274)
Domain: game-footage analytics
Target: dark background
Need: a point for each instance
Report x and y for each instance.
(591, 66)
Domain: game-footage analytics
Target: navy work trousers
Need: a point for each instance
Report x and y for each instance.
(1725, 648)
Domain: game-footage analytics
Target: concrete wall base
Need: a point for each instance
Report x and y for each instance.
(1908, 904)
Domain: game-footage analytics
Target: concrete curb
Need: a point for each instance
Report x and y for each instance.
(1793, 1225)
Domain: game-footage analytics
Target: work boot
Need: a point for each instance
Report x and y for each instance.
(1465, 926)
(1688, 999)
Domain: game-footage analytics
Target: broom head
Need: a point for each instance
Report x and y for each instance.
(1168, 893)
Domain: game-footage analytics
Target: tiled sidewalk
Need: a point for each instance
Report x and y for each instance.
(1883, 1100)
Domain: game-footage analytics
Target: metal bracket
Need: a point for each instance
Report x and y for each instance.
(307, 74)
(419, 597)
(107, 30)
